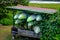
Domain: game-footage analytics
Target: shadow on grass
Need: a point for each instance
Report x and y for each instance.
(9, 37)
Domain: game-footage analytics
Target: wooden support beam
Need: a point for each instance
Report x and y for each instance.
(28, 33)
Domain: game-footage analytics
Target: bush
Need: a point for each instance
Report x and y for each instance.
(57, 37)
(24, 2)
(50, 28)
(6, 21)
(5, 16)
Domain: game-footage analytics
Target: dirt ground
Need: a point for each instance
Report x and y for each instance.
(4, 32)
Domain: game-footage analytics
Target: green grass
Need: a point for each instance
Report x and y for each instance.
(53, 6)
(8, 37)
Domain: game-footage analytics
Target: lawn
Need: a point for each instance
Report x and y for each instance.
(53, 6)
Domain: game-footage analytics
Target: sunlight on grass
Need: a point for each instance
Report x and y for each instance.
(53, 6)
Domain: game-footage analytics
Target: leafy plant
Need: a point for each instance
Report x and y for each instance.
(24, 2)
(6, 15)
(6, 21)
(57, 37)
(50, 28)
